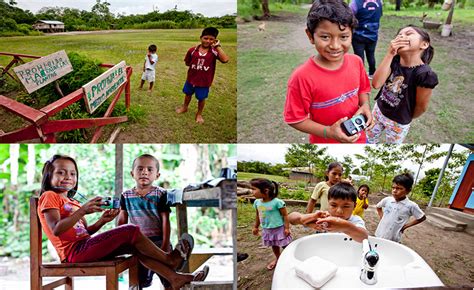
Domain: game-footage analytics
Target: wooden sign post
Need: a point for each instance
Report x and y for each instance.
(102, 87)
(40, 72)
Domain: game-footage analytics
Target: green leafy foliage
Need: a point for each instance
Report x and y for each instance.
(96, 164)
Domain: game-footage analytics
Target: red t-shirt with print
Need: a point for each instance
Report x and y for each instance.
(201, 66)
(324, 95)
(66, 206)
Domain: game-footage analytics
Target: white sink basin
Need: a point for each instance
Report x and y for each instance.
(398, 266)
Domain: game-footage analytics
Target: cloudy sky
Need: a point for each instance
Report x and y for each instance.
(208, 8)
(275, 153)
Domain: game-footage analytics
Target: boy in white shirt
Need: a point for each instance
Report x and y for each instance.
(395, 211)
(149, 67)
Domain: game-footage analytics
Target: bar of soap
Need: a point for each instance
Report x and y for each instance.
(316, 271)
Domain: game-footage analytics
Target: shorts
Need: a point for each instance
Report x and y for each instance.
(201, 93)
(148, 75)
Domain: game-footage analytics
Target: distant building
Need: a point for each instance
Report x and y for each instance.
(462, 198)
(302, 173)
(49, 26)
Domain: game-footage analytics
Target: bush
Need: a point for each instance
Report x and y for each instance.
(24, 28)
(7, 24)
(85, 70)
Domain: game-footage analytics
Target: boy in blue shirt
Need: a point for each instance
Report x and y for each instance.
(368, 14)
(145, 206)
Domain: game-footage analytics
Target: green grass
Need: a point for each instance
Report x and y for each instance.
(246, 216)
(248, 176)
(246, 11)
(159, 122)
(260, 91)
(464, 16)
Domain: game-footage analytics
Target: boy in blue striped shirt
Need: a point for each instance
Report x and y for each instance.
(145, 205)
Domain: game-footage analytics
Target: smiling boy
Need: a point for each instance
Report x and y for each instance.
(331, 86)
(201, 60)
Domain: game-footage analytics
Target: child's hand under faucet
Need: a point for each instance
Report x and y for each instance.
(310, 219)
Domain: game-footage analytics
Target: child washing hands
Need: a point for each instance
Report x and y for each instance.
(272, 215)
(342, 198)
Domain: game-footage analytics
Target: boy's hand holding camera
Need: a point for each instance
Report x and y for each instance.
(335, 132)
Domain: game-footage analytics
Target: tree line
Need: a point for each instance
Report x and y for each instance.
(378, 165)
(16, 21)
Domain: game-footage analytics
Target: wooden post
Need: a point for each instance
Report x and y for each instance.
(111, 278)
(36, 281)
(234, 245)
(182, 219)
(127, 88)
(118, 169)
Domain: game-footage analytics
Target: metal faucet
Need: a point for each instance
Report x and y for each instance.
(370, 259)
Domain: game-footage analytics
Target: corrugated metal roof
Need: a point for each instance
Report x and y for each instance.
(51, 21)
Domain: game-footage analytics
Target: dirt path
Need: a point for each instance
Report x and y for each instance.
(449, 254)
(447, 119)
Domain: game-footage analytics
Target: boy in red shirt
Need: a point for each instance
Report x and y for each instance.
(201, 60)
(331, 86)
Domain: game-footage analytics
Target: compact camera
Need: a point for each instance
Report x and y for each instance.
(110, 202)
(354, 125)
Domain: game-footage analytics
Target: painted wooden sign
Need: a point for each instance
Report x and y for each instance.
(40, 72)
(102, 87)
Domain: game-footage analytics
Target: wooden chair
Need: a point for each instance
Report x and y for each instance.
(110, 269)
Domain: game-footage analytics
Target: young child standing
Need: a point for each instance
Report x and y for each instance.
(395, 211)
(332, 175)
(62, 219)
(201, 60)
(145, 206)
(362, 202)
(272, 215)
(407, 82)
(339, 218)
(331, 86)
(149, 65)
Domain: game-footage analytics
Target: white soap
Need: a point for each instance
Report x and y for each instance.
(316, 271)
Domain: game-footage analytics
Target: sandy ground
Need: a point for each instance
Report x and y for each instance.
(449, 254)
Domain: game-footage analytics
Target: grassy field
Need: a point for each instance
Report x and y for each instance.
(248, 176)
(266, 60)
(159, 123)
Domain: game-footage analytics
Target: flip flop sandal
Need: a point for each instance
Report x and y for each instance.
(181, 249)
(201, 275)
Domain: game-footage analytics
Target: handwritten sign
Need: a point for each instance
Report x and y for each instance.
(40, 72)
(102, 87)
